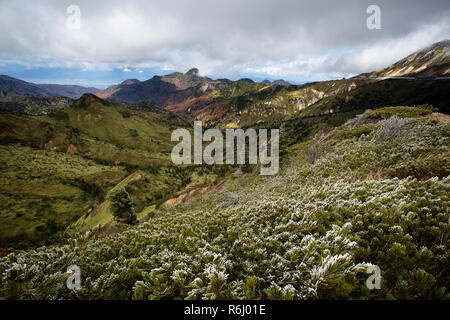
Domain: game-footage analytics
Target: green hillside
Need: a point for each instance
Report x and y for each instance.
(43, 191)
(393, 92)
(372, 191)
(62, 168)
(99, 130)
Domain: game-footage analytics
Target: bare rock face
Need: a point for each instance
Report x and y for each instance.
(72, 149)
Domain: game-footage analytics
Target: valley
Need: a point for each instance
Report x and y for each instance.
(363, 181)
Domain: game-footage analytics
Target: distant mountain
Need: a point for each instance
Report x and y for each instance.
(130, 82)
(431, 62)
(69, 91)
(181, 93)
(36, 105)
(12, 89)
(420, 81)
(154, 90)
(164, 90)
(282, 82)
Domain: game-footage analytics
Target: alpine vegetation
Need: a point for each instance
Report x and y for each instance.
(375, 198)
(213, 153)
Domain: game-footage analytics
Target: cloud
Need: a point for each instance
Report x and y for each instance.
(293, 39)
(126, 70)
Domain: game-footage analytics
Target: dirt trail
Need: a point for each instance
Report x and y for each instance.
(440, 116)
(193, 194)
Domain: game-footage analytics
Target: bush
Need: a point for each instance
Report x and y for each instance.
(403, 112)
(391, 128)
(123, 207)
(125, 113)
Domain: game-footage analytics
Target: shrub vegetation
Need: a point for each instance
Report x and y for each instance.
(370, 197)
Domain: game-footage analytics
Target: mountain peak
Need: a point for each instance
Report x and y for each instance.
(130, 81)
(87, 100)
(440, 44)
(281, 82)
(192, 72)
(246, 80)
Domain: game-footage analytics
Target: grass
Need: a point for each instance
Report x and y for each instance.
(43, 189)
(403, 112)
(58, 168)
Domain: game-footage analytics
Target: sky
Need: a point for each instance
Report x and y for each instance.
(101, 43)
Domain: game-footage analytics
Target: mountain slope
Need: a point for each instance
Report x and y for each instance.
(390, 92)
(268, 104)
(279, 82)
(192, 106)
(12, 89)
(431, 62)
(371, 192)
(71, 91)
(58, 167)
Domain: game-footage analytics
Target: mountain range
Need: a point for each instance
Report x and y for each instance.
(244, 102)
(421, 78)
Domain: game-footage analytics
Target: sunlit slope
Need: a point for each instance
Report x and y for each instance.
(268, 104)
(430, 62)
(393, 92)
(126, 127)
(43, 191)
(59, 167)
(97, 129)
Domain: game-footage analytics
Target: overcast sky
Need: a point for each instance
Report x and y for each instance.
(295, 40)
